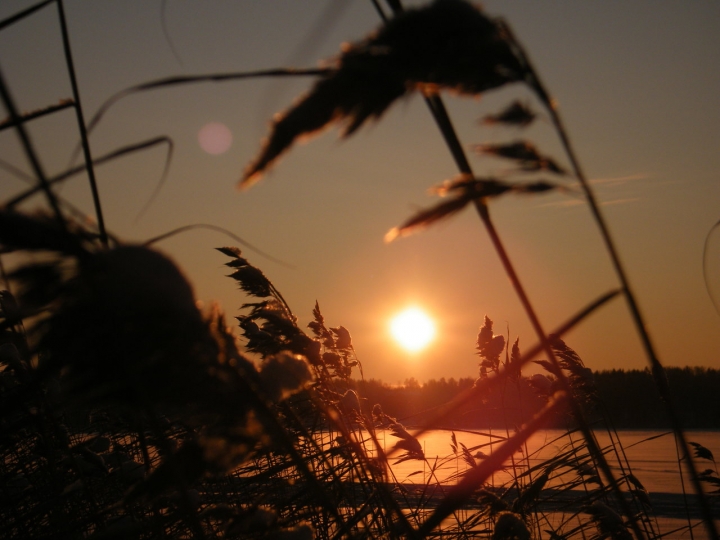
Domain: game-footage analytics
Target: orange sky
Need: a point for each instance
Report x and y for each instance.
(637, 84)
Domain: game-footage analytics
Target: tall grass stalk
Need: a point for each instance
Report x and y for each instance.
(656, 366)
(439, 113)
(441, 117)
(81, 124)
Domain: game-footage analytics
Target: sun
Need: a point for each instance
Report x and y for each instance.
(413, 329)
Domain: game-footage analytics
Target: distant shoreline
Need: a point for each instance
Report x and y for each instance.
(629, 398)
(663, 504)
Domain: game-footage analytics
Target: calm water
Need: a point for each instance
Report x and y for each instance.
(651, 454)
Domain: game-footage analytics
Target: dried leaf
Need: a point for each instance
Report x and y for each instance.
(524, 153)
(535, 187)
(427, 217)
(516, 114)
(477, 187)
(519, 150)
(467, 189)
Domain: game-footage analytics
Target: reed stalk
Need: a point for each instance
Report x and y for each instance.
(441, 117)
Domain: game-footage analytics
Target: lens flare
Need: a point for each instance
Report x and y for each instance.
(215, 138)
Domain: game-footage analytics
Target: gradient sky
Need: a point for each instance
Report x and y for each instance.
(637, 84)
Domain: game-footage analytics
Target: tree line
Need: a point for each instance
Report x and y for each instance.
(629, 399)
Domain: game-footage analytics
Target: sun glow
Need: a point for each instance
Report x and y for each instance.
(413, 329)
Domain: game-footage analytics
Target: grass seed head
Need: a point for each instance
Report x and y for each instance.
(448, 44)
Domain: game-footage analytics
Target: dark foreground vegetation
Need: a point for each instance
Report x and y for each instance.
(127, 412)
(630, 398)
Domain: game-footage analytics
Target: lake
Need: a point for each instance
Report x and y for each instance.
(651, 455)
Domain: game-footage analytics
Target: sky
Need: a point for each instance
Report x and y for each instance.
(636, 83)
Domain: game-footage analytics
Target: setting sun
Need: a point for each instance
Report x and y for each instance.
(413, 329)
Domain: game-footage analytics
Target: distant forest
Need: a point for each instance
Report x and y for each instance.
(628, 398)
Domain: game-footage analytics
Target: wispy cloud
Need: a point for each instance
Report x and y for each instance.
(570, 203)
(618, 180)
(566, 203)
(627, 200)
(578, 199)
